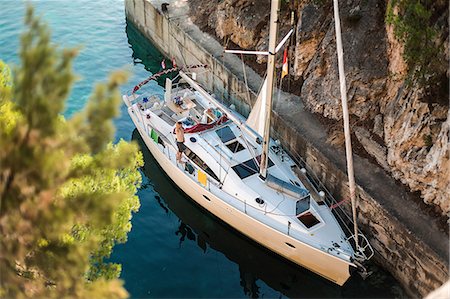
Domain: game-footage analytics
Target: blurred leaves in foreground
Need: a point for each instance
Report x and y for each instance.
(66, 192)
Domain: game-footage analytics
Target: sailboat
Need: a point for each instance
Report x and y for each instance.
(232, 168)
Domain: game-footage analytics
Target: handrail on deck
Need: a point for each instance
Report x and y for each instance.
(339, 211)
(245, 206)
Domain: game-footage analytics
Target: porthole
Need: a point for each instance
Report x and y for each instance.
(289, 244)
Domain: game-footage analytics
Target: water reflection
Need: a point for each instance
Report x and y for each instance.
(183, 232)
(248, 283)
(255, 262)
(146, 53)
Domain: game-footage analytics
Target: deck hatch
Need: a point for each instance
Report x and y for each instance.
(308, 219)
(235, 146)
(225, 134)
(302, 205)
(249, 167)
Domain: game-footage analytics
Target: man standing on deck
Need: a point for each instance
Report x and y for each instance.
(179, 131)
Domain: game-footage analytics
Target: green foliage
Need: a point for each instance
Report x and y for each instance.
(414, 28)
(5, 81)
(66, 192)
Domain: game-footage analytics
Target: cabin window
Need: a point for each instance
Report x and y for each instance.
(249, 167)
(235, 146)
(199, 162)
(225, 134)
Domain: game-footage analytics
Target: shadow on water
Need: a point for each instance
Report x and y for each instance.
(254, 261)
(146, 53)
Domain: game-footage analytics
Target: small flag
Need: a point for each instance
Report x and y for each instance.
(284, 69)
(163, 64)
(174, 64)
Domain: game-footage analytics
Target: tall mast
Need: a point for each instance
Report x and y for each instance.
(348, 141)
(275, 7)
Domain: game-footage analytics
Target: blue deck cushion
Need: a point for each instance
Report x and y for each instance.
(285, 187)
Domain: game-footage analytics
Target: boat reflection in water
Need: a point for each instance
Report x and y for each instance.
(254, 261)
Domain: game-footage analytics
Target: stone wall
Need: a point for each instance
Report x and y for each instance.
(398, 247)
(419, 268)
(173, 39)
(408, 242)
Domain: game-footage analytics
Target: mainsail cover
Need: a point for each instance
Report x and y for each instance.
(255, 119)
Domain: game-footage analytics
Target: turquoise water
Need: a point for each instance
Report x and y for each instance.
(175, 248)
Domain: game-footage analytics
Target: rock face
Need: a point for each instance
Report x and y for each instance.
(241, 21)
(405, 134)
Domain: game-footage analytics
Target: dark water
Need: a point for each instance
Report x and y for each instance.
(175, 248)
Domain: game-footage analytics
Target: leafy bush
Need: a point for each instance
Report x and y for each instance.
(413, 25)
(66, 192)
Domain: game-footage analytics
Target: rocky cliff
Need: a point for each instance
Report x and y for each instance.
(399, 122)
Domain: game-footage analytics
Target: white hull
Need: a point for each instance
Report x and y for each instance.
(320, 262)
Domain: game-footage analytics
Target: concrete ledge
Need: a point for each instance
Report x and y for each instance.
(408, 242)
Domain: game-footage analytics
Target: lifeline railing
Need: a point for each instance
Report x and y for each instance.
(364, 250)
(245, 206)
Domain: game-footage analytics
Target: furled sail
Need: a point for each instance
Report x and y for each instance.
(255, 119)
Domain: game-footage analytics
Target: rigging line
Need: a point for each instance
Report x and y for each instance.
(245, 78)
(339, 212)
(262, 210)
(291, 41)
(226, 43)
(338, 204)
(170, 52)
(251, 150)
(279, 91)
(252, 153)
(179, 43)
(221, 148)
